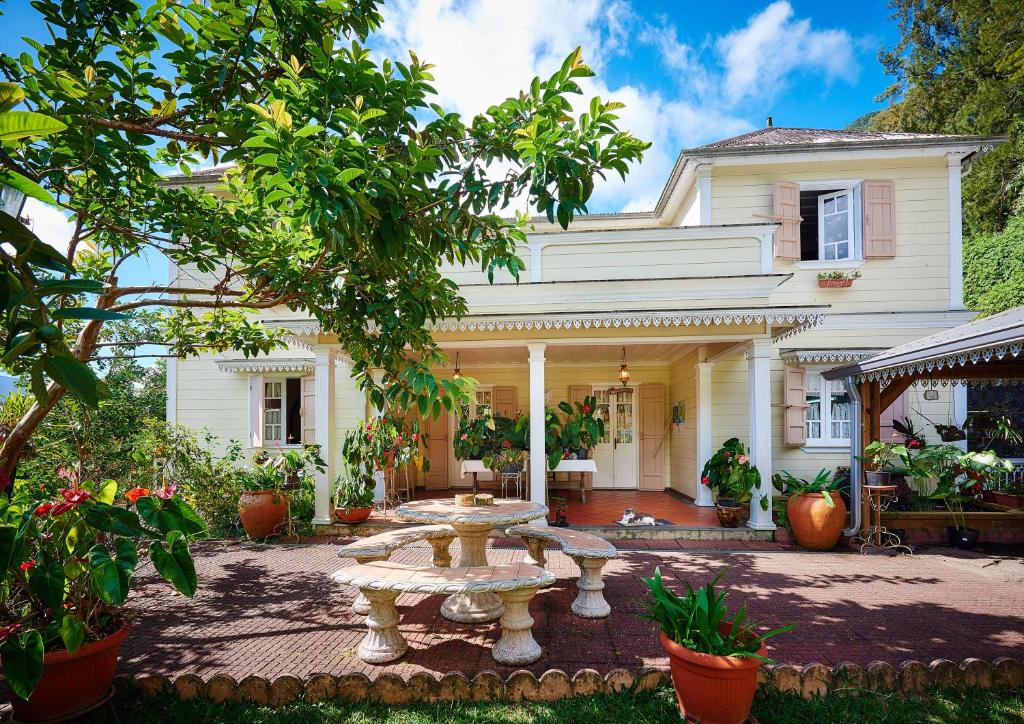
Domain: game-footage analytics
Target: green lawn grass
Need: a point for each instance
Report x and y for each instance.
(941, 707)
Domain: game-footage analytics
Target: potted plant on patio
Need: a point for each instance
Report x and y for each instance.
(912, 438)
(837, 279)
(815, 509)
(961, 478)
(714, 657)
(582, 429)
(353, 498)
(731, 475)
(263, 503)
(884, 459)
(66, 566)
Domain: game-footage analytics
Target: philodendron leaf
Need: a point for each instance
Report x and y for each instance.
(72, 632)
(112, 575)
(25, 124)
(23, 662)
(175, 564)
(169, 515)
(77, 377)
(47, 581)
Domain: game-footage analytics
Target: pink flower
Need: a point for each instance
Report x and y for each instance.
(464, 436)
(415, 436)
(167, 491)
(743, 460)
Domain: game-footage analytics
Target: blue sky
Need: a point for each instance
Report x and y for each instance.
(689, 72)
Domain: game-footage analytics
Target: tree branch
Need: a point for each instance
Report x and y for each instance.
(145, 130)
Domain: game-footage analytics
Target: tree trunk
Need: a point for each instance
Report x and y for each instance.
(12, 447)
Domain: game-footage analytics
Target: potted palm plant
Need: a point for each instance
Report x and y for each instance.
(714, 657)
(815, 509)
(733, 477)
(66, 566)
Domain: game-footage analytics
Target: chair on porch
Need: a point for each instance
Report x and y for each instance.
(512, 476)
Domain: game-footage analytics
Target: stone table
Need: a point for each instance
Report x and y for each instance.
(472, 524)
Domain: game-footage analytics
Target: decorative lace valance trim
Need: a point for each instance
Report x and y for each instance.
(266, 365)
(952, 361)
(801, 357)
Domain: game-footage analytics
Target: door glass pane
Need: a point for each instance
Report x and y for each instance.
(624, 420)
(601, 412)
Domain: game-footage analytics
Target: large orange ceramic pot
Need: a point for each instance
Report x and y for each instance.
(814, 524)
(262, 512)
(72, 684)
(712, 689)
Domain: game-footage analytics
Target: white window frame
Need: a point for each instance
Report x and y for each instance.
(279, 444)
(474, 412)
(856, 258)
(851, 242)
(824, 443)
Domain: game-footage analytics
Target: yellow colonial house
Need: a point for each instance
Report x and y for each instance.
(711, 300)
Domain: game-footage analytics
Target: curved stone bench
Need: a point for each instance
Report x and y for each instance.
(380, 547)
(590, 554)
(381, 582)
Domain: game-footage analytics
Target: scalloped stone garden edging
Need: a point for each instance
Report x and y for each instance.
(910, 677)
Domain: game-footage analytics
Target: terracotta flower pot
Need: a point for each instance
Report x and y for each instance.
(72, 683)
(262, 512)
(351, 516)
(814, 524)
(1007, 499)
(834, 283)
(712, 689)
(729, 516)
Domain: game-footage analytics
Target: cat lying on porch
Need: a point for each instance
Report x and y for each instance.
(631, 517)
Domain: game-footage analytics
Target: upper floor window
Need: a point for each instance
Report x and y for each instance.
(828, 227)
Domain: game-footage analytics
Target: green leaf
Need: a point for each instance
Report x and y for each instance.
(107, 491)
(88, 313)
(26, 186)
(175, 565)
(31, 246)
(49, 287)
(77, 377)
(350, 174)
(72, 632)
(266, 159)
(23, 662)
(10, 96)
(169, 515)
(10, 544)
(111, 576)
(27, 124)
(112, 519)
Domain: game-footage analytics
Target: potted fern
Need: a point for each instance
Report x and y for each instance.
(714, 656)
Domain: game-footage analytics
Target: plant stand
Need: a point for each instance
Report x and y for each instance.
(878, 538)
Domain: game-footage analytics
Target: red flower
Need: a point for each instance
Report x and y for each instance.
(415, 436)
(586, 409)
(44, 509)
(61, 508)
(135, 493)
(726, 455)
(28, 565)
(167, 491)
(706, 480)
(75, 496)
(6, 631)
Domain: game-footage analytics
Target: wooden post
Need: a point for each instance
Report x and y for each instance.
(866, 439)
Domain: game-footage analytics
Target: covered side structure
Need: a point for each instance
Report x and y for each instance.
(984, 351)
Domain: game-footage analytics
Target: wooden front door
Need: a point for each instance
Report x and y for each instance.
(437, 451)
(652, 436)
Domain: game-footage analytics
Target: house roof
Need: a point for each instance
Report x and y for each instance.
(998, 337)
(776, 136)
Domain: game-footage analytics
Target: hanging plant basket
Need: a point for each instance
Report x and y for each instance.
(950, 433)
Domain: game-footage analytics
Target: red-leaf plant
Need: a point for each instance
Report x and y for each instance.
(66, 564)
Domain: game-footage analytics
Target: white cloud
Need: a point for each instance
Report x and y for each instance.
(49, 224)
(759, 57)
(486, 50)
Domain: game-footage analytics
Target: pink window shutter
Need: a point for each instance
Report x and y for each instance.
(795, 399)
(879, 202)
(308, 410)
(256, 410)
(786, 213)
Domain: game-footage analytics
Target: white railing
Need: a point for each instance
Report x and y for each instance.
(1014, 476)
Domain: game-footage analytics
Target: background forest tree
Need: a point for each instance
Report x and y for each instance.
(959, 68)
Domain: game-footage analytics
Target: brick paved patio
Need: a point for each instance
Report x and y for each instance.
(271, 610)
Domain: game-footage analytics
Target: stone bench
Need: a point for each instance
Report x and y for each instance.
(382, 581)
(590, 554)
(380, 547)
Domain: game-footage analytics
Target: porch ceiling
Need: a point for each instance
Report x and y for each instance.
(583, 354)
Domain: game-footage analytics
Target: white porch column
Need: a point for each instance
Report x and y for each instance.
(705, 447)
(323, 383)
(538, 468)
(760, 384)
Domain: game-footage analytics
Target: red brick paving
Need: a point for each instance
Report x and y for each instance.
(271, 610)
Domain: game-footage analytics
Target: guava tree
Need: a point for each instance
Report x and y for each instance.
(345, 186)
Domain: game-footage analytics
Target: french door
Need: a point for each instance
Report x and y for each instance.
(615, 455)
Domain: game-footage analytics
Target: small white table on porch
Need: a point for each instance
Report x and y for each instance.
(475, 467)
(584, 467)
(472, 524)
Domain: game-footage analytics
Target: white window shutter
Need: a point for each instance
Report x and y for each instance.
(786, 213)
(795, 400)
(255, 410)
(879, 202)
(308, 410)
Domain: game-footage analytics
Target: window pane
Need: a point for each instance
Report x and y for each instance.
(841, 203)
(836, 228)
(830, 206)
(843, 250)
